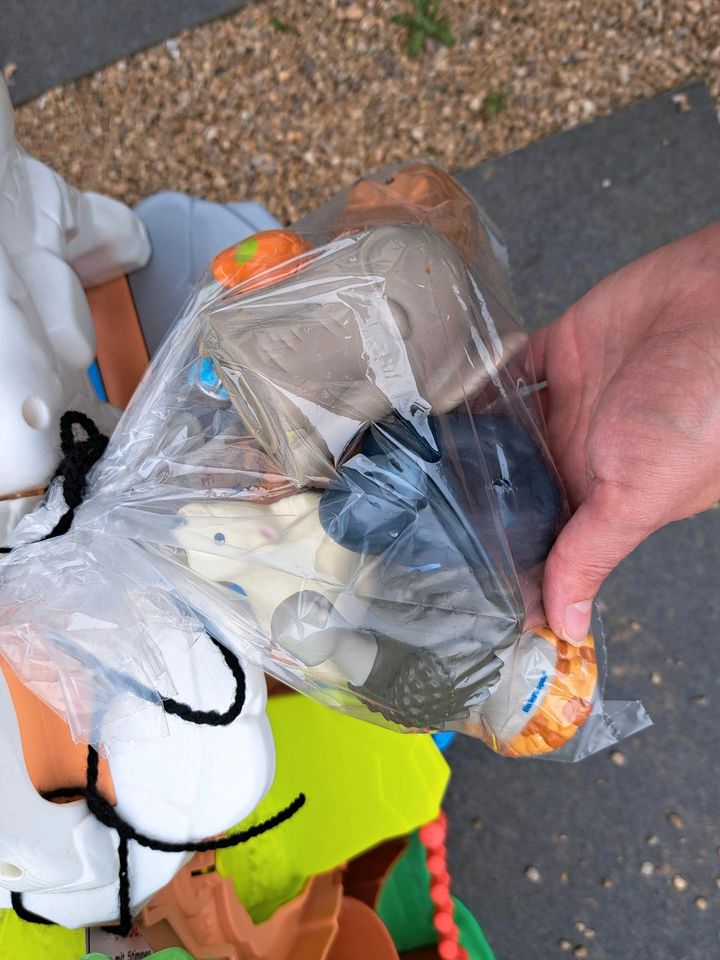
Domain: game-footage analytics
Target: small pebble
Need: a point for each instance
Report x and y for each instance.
(580, 951)
(580, 926)
(607, 883)
(647, 868)
(173, 48)
(675, 820)
(565, 944)
(652, 840)
(656, 678)
(717, 882)
(589, 933)
(701, 903)
(699, 700)
(477, 823)
(564, 877)
(533, 874)
(679, 882)
(618, 758)
(607, 182)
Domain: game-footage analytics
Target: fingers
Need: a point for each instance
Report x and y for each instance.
(603, 531)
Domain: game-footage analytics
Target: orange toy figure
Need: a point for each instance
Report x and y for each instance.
(563, 678)
(256, 256)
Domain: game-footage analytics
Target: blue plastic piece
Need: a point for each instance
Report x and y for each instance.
(443, 740)
(96, 381)
(204, 373)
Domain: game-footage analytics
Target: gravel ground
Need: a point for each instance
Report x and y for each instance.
(287, 99)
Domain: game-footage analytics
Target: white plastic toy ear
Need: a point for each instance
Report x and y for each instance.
(53, 239)
(195, 783)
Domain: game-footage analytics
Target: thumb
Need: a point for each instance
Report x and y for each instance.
(606, 527)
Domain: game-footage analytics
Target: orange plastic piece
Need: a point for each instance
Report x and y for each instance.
(418, 193)
(51, 756)
(21, 494)
(362, 935)
(199, 911)
(121, 352)
(567, 703)
(432, 836)
(257, 255)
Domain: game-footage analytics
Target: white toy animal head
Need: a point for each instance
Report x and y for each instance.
(179, 788)
(269, 551)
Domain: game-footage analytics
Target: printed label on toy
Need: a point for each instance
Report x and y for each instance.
(132, 947)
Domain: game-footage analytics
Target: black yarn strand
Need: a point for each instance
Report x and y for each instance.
(124, 925)
(106, 813)
(214, 718)
(27, 915)
(78, 458)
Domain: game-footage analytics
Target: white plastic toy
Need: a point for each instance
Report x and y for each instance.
(197, 780)
(192, 784)
(54, 240)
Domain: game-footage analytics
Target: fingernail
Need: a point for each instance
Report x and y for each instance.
(576, 621)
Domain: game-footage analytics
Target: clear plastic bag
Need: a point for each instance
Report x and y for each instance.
(337, 466)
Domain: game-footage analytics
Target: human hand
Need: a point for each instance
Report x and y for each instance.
(633, 414)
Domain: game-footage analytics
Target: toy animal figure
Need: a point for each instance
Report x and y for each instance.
(59, 853)
(53, 241)
(384, 324)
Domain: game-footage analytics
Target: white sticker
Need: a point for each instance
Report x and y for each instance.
(132, 947)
